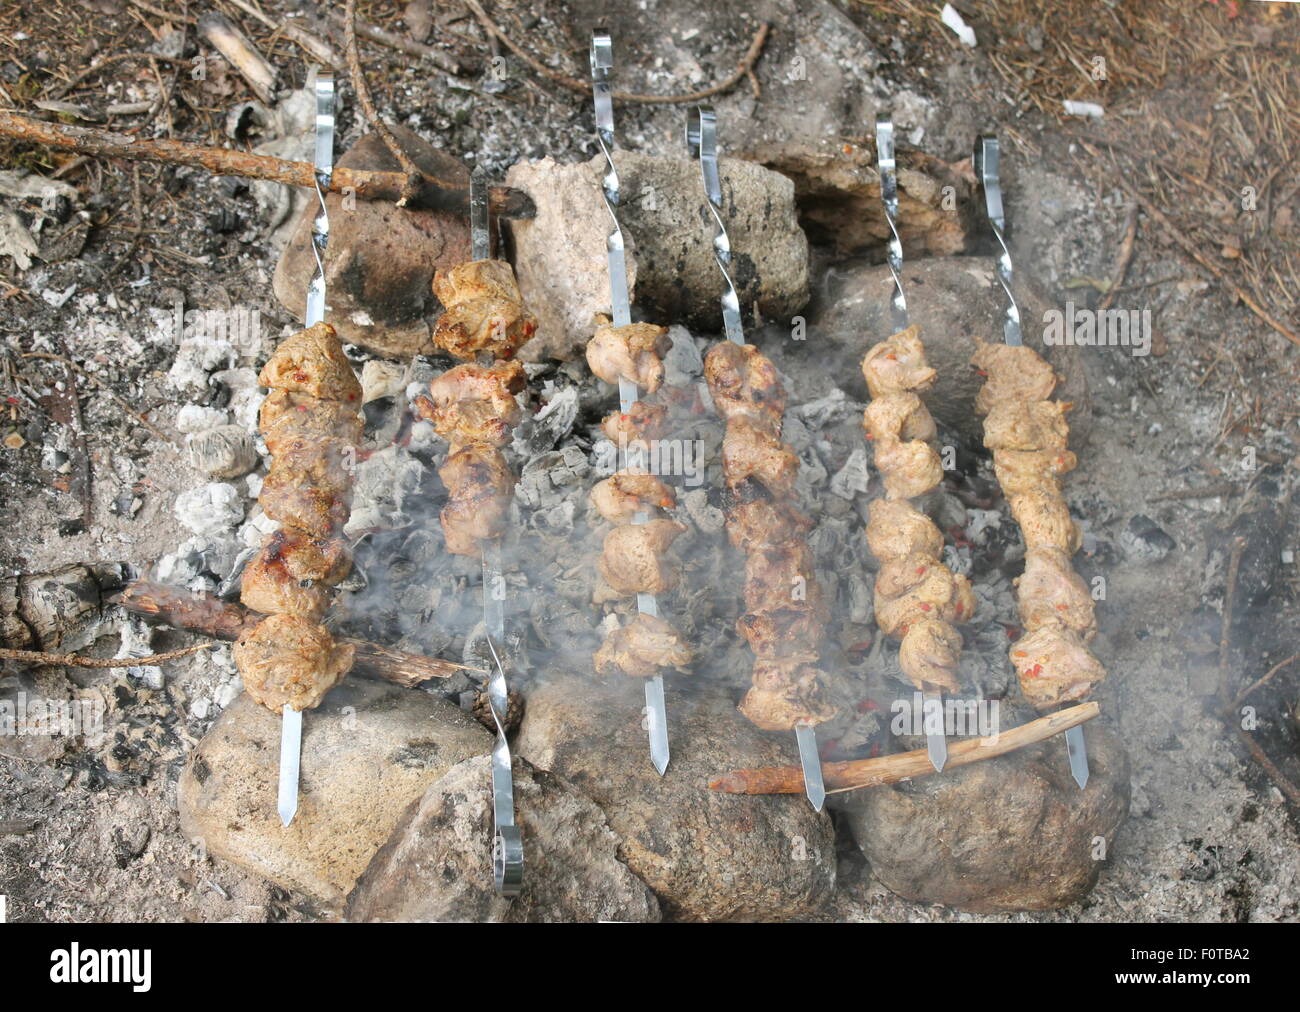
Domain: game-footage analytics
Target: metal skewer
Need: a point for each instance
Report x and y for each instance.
(702, 143)
(507, 845)
(936, 742)
(986, 168)
(291, 719)
(602, 63)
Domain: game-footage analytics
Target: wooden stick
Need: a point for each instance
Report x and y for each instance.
(432, 193)
(890, 769)
(42, 659)
(225, 620)
(234, 45)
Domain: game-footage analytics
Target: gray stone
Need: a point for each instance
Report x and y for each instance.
(708, 856)
(368, 751)
(1011, 833)
(379, 273)
(561, 260)
(953, 300)
(437, 865)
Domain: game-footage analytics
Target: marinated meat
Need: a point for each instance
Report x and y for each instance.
(1051, 593)
(1055, 666)
(643, 648)
(744, 383)
(294, 573)
(633, 352)
(632, 559)
(898, 365)
(483, 310)
(750, 452)
(475, 404)
(290, 660)
(620, 497)
(643, 422)
(481, 485)
(312, 362)
(287, 417)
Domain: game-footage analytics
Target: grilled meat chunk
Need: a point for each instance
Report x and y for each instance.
(633, 352)
(481, 485)
(632, 490)
(294, 573)
(643, 422)
(287, 659)
(483, 311)
(312, 362)
(898, 365)
(632, 560)
(286, 417)
(643, 648)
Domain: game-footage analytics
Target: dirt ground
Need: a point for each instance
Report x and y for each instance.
(1180, 201)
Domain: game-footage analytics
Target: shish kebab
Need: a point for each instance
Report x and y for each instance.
(1028, 434)
(312, 424)
(917, 598)
(786, 614)
(630, 354)
(473, 407)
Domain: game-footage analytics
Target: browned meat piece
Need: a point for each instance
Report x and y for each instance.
(1054, 666)
(781, 578)
(898, 416)
(1020, 471)
(1051, 593)
(290, 660)
(1036, 425)
(286, 417)
(897, 365)
(929, 654)
(1045, 522)
(896, 528)
(642, 648)
(908, 469)
(920, 591)
(480, 485)
(790, 633)
(474, 403)
(312, 362)
(644, 422)
(632, 490)
(786, 707)
(759, 524)
(749, 452)
(632, 559)
(1014, 373)
(484, 312)
(292, 574)
(634, 352)
(744, 384)
(309, 486)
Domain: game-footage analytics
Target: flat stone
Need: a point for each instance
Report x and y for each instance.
(1012, 833)
(368, 751)
(707, 856)
(953, 300)
(379, 270)
(437, 865)
(561, 259)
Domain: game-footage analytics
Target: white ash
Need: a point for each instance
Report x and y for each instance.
(210, 509)
(197, 418)
(684, 363)
(380, 378)
(554, 421)
(137, 641)
(382, 483)
(227, 451)
(196, 357)
(822, 411)
(978, 521)
(424, 437)
(707, 518)
(861, 590)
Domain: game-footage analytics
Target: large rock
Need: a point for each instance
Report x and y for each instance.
(379, 271)
(953, 300)
(560, 254)
(837, 190)
(437, 866)
(368, 752)
(707, 856)
(1012, 833)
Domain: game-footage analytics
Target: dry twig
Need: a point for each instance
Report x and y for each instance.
(890, 769)
(40, 657)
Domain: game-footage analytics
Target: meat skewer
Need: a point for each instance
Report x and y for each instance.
(473, 407)
(630, 354)
(786, 615)
(917, 597)
(1027, 433)
(311, 424)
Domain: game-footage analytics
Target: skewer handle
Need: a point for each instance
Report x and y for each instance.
(702, 143)
(986, 168)
(888, 170)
